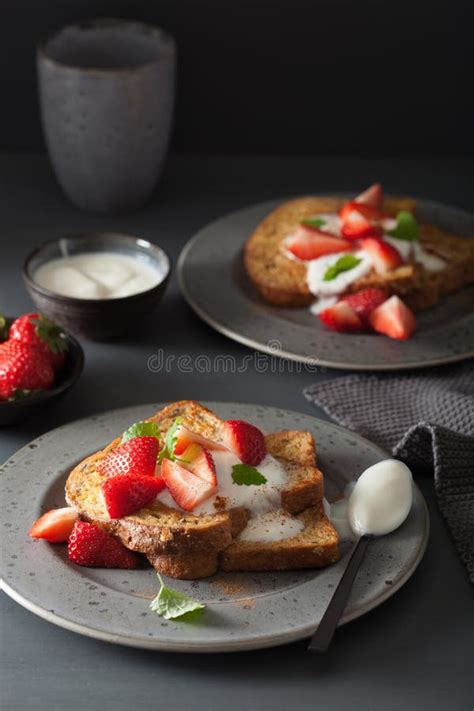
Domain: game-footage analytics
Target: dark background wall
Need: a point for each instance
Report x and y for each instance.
(306, 76)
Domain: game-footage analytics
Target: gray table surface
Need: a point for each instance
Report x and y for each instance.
(413, 652)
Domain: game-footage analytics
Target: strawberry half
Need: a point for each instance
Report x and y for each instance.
(309, 243)
(187, 489)
(365, 301)
(394, 319)
(341, 317)
(354, 224)
(246, 441)
(55, 526)
(384, 257)
(200, 462)
(185, 437)
(137, 456)
(92, 547)
(373, 196)
(123, 495)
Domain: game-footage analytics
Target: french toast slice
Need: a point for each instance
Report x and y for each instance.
(316, 546)
(160, 530)
(281, 281)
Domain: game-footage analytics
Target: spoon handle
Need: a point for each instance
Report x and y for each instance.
(321, 639)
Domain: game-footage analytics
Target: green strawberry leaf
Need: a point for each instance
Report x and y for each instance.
(3, 328)
(407, 227)
(172, 604)
(313, 222)
(51, 334)
(343, 264)
(22, 393)
(171, 438)
(141, 429)
(242, 474)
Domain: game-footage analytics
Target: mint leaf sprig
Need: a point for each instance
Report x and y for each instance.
(172, 604)
(343, 264)
(244, 475)
(167, 452)
(141, 429)
(407, 228)
(314, 222)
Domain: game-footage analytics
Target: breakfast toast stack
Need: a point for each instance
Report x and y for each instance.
(183, 544)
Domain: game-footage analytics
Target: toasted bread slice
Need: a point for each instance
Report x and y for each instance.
(315, 547)
(282, 281)
(161, 530)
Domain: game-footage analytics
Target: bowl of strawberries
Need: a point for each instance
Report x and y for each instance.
(39, 362)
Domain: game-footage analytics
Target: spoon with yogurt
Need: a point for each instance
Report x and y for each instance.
(379, 503)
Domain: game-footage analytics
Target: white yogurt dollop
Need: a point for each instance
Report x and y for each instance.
(317, 268)
(271, 526)
(97, 275)
(381, 499)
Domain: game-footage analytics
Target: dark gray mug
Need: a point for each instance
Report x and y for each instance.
(107, 95)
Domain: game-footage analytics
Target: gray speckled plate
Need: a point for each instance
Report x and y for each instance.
(244, 610)
(213, 281)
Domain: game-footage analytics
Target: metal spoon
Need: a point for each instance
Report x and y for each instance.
(321, 639)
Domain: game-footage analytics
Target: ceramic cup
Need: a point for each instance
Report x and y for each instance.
(106, 94)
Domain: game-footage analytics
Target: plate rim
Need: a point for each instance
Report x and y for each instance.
(266, 641)
(306, 360)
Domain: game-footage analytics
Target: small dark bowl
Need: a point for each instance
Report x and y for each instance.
(97, 319)
(17, 410)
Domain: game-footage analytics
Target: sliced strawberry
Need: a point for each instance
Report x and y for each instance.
(355, 225)
(365, 301)
(187, 489)
(130, 492)
(394, 319)
(309, 243)
(371, 214)
(200, 462)
(137, 456)
(385, 258)
(341, 317)
(92, 547)
(246, 441)
(185, 437)
(55, 525)
(373, 196)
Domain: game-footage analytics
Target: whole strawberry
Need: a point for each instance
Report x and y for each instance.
(39, 332)
(23, 368)
(92, 547)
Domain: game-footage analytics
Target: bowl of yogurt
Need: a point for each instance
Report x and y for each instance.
(97, 285)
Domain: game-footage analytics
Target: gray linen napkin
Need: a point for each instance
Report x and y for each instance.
(425, 419)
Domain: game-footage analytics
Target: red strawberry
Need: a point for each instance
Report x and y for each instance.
(394, 319)
(365, 301)
(137, 456)
(185, 437)
(38, 331)
(356, 225)
(187, 489)
(309, 243)
(55, 525)
(384, 256)
(23, 368)
(373, 196)
(91, 546)
(246, 441)
(200, 462)
(341, 317)
(130, 492)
